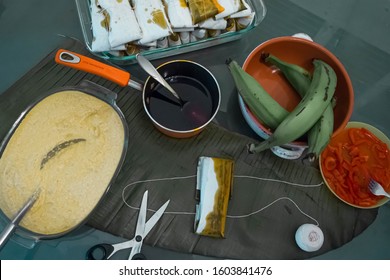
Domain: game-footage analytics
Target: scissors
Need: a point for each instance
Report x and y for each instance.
(142, 229)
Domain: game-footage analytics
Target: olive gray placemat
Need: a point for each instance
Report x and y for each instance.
(268, 234)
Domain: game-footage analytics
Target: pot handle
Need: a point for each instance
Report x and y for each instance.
(89, 65)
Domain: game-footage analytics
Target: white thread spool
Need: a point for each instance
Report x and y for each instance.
(309, 237)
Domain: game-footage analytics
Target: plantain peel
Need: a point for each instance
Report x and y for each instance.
(214, 182)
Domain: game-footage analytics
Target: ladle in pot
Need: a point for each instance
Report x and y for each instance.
(152, 71)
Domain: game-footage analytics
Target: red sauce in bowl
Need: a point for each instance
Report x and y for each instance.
(349, 161)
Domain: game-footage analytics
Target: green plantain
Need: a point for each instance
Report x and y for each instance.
(307, 112)
(262, 105)
(319, 135)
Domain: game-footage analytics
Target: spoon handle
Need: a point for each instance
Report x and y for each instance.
(10, 228)
(152, 71)
(6, 234)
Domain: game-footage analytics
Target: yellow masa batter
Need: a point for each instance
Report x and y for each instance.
(73, 177)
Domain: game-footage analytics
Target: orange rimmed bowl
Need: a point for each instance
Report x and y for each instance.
(352, 186)
(301, 52)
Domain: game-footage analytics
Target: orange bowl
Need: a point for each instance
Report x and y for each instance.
(340, 178)
(301, 52)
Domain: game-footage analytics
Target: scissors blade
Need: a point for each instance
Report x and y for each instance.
(140, 229)
(154, 219)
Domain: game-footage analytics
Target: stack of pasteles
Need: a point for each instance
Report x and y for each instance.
(116, 25)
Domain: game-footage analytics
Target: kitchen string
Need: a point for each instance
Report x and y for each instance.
(228, 216)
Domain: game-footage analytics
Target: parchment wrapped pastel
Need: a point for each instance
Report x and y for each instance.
(152, 20)
(230, 7)
(179, 14)
(123, 26)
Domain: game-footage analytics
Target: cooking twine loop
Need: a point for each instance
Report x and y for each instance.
(228, 216)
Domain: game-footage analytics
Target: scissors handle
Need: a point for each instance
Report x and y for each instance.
(139, 256)
(100, 252)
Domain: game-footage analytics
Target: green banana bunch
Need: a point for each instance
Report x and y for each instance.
(261, 104)
(307, 112)
(319, 135)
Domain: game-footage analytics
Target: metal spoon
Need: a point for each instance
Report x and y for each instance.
(152, 71)
(9, 229)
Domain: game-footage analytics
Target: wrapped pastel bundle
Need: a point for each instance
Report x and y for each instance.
(198, 34)
(100, 30)
(230, 7)
(123, 25)
(244, 22)
(214, 188)
(162, 43)
(152, 20)
(100, 41)
(184, 37)
(243, 13)
(132, 49)
(215, 24)
(212, 33)
(174, 39)
(151, 44)
(203, 9)
(179, 15)
(231, 25)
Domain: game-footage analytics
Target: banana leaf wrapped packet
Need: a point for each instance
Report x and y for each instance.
(214, 186)
(203, 9)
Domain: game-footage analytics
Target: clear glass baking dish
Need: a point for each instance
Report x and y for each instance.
(25, 237)
(86, 25)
